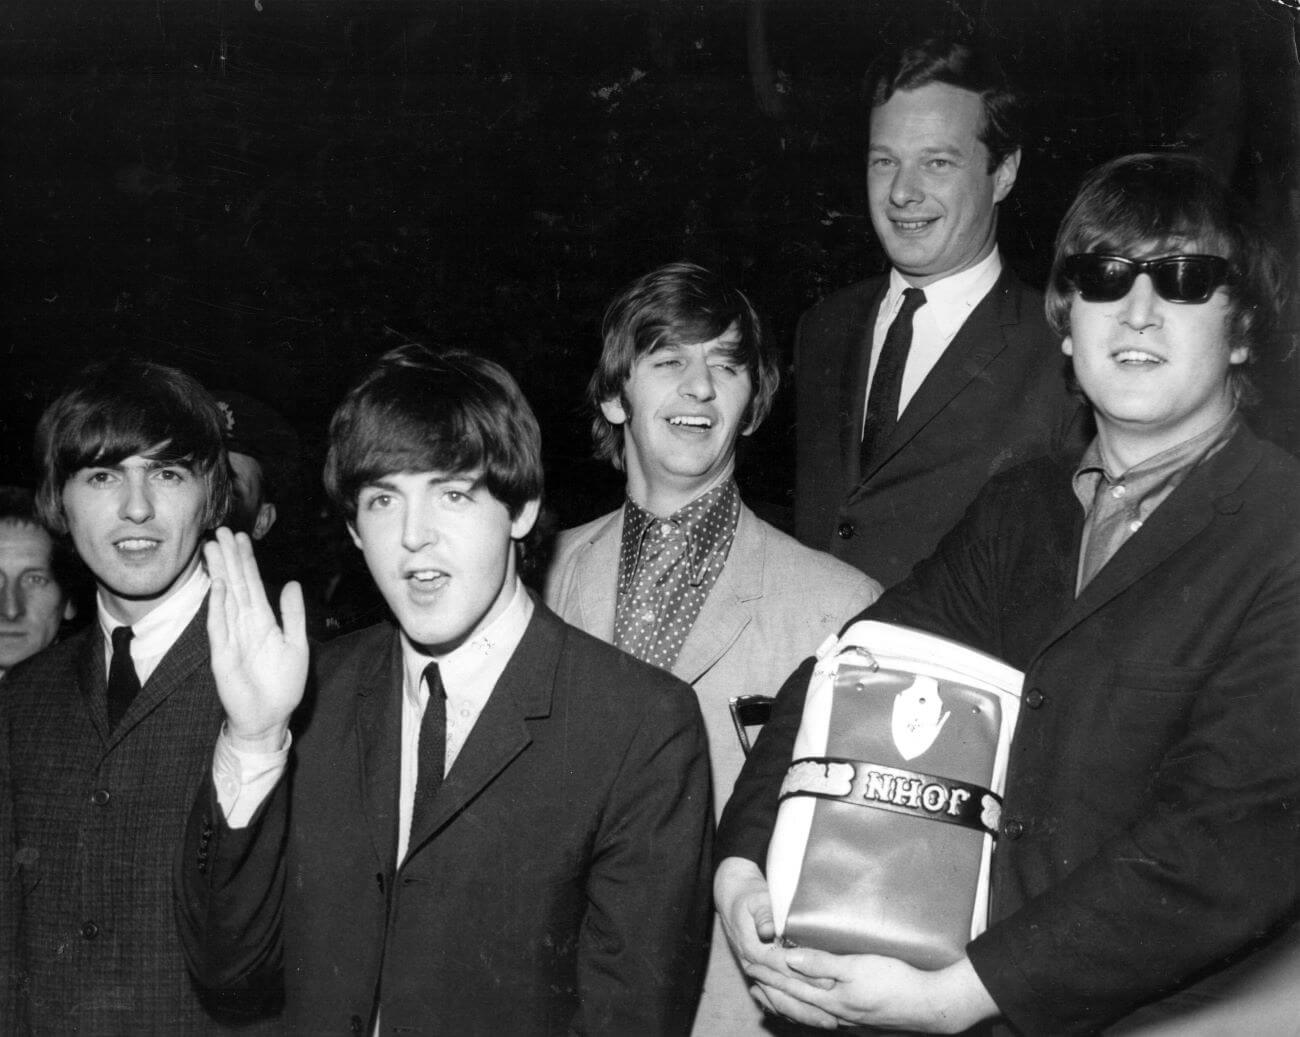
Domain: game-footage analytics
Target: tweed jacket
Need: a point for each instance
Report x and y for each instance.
(996, 397)
(773, 604)
(1150, 832)
(559, 885)
(89, 819)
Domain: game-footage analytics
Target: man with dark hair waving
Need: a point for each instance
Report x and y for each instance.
(493, 823)
(1147, 853)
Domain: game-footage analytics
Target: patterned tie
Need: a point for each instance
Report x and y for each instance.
(433, 745)
(123, 682)
(886, 385)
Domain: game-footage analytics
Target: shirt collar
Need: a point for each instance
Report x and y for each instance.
(156, 632)
(949, 300)
(1156, 474)
(708, 522)
(473, 668)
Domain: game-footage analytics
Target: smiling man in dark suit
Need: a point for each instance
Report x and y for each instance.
(105, 737)
(913, 388)
(493, 823)
(1146, 861)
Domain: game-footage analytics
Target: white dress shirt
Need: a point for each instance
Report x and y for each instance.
(153, 636)
(948, 303)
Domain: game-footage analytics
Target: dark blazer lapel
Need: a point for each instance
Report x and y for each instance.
(379, 744)
(92, 679)
(853, 386)
(727, 610)
(500, 734)
(1187, 511)
(596, 578)
(981, 338)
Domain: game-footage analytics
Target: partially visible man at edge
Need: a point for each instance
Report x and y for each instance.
(915, 387)
(1149, 836)
(36, 580)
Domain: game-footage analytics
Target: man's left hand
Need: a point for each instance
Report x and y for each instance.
(868, 989)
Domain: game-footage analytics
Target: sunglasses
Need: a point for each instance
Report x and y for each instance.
(1176, 278)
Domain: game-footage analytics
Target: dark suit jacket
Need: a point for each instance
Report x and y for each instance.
(561, 885)
(995, 398)
(1151, 825)
(87, 817)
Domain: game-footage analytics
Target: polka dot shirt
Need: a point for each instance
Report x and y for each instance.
(666, 568)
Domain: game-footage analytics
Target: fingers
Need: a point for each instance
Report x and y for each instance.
(761, 909)
(293, 615)
(799, 1010)
(818, 966)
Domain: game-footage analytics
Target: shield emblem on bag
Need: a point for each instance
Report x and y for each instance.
(918, 717)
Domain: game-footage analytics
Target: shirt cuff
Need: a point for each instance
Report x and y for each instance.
(243, 779)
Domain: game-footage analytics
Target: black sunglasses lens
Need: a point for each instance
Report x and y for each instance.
(1187, 278)
(1100, 278)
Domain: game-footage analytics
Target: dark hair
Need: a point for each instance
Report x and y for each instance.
(18, 508)
(677, 304)
(124, 407)
(418, 410)
(955, 63)
(1136, 203)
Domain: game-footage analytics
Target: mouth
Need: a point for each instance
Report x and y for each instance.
(136, 545)
(691, 421)
(1136, 358)
(913, 226)
(423, 580)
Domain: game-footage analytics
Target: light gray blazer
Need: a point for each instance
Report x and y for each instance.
(773, 604)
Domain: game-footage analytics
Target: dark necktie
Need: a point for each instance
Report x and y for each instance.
(882, 401)
(123, 682)
(433, 744)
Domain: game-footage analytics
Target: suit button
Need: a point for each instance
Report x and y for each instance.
(1013, 829)
(89, 930)
(100, 797)
(845, 530)
(1034, 698)
(356, 1024)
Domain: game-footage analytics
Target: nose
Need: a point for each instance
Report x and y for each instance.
(1140, 309)
(905, 187)
(137, 497)
(418, 526)
(697, 380)
(12, 600)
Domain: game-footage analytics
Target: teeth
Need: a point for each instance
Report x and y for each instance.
(136, 545)
(696, 422)
(1136, 356)
(911, 224)
(425, 575)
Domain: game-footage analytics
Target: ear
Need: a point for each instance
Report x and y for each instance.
(1067, 346)
(352, 532)
(266, 516)
(522, 524)
(613, 411)
(69, 610)
(1238, 355)
(1004, 176)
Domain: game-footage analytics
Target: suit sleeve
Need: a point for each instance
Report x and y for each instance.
(230, 893)
(10, 899)
(644, 935)
(1208, 868)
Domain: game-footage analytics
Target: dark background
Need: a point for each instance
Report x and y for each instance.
(271, 198)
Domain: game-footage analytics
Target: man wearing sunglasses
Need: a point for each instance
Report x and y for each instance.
(913, 388)
(1146, 864)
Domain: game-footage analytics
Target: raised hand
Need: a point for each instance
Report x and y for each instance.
(260, 667)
